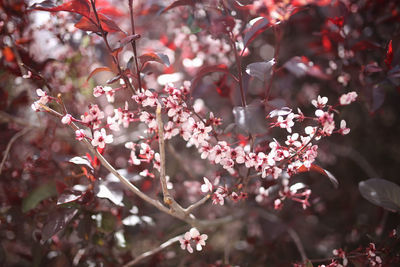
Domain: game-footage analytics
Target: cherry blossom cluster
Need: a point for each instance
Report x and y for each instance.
(373, 259)
(277, 161)
(370, 253)
(193, 238)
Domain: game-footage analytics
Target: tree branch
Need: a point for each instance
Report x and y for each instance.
(153, 251)
(10, 143)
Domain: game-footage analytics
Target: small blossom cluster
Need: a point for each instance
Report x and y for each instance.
(193, 238)
(44, 98)
(372, 258)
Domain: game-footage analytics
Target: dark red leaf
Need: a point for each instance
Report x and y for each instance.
(82, 161)
(156, 57)
(68, 197)
(114, 79)
(240, 6)
(107, 24)
(210, 69)
(81, 7)
(364, 45)
(222, 88)
(378, 97)
(222, 25)
(256, 29)
(97, 70)
(261, 70)
(372, 68)
(110, 10)
(382, 193)
(176, 4)
(301, 66)
(60, 186)
(389, 55)
(56, 222)
(129, 39)
(320, 170)
(8, 54)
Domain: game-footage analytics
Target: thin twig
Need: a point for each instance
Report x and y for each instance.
(115, 58)
(278, 37)
(239, 69)
(296, 240)
(179, 159)
(153, 251)
(5, 117)
(292, 233)
(10, 143)
(161, 142)
(38, 74)
(133, 43)
(357, 157)
(198, 203)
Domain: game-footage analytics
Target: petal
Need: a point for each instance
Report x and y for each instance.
(187, 236)
(194, 232)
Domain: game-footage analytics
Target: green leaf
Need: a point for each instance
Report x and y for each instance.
(38, 194)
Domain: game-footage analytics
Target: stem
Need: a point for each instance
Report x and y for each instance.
(153, 251)
(133, 43)
(39, 75)
(10, 143)
(239, 68)
(115, 59)
(161, 142)
(278, 38)
(198, 203)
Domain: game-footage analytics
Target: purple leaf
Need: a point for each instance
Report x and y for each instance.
(280, 112)
(261, 70)
(68, 197)
(382, 193)
(301, 66)
(256, 29)
(57, 221)
(112, 192)
(81, 161)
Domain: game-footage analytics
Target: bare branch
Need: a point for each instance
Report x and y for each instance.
(161, 142)
(10, 143)
(197, 204)
(292, 233)
(153, 251)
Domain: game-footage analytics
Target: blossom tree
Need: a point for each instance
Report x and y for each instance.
(197, 123)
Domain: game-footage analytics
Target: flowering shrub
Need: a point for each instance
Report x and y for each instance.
(195, 123)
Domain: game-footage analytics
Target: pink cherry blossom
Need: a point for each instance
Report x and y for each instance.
(185, 242)
(346, 99)
(207, 186)
(80, 134)
(100, 138)
(110, 93)
(343, 129)
(67, 119)
(292, 140)
(43, 100)
(198, 238)
(170, 130)
(98, 91)
(320, 102)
